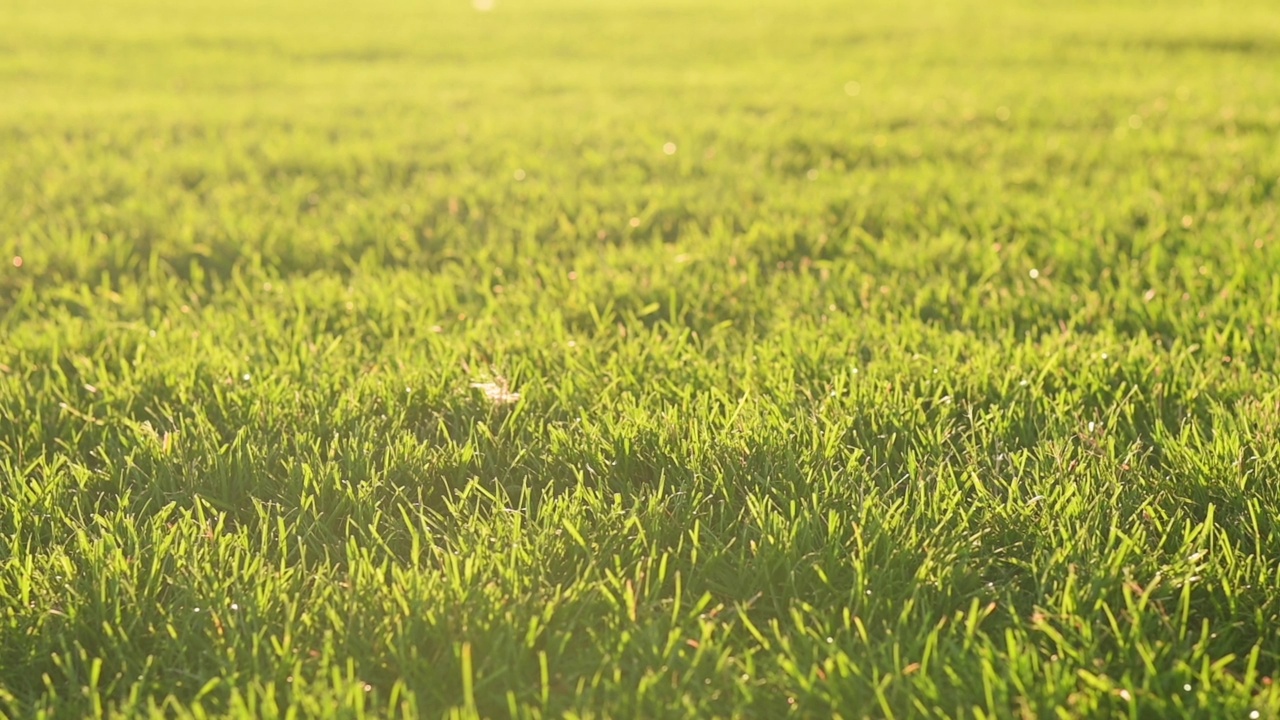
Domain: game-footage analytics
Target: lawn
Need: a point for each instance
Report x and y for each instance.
(639, 358)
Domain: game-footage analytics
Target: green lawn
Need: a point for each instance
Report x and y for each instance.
(639, 358)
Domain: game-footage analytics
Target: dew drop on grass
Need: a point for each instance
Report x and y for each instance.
(1187, 687)
(17, 261)
(518, 175)
(1035, 273)
(246, 377)
(669, 148)
(235, 606)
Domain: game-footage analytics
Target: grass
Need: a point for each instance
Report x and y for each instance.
(639, 359)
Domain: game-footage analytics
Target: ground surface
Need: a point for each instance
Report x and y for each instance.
(639, 358)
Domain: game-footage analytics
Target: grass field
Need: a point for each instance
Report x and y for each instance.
(639, 358)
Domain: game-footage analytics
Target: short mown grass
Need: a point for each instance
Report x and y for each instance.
(641, 358)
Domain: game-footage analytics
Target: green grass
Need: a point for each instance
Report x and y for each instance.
(927, 371)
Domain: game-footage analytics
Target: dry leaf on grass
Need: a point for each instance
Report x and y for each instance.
(497, 391)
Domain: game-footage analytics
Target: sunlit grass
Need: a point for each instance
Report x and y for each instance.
(639, 359)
